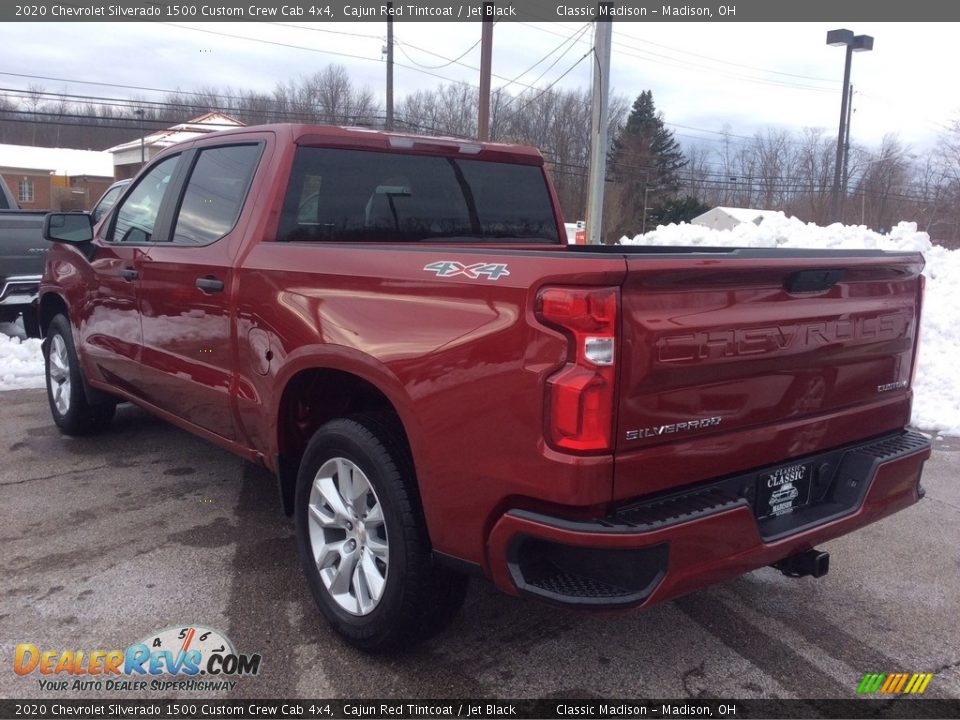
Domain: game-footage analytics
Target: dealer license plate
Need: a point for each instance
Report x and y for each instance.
(782, 490)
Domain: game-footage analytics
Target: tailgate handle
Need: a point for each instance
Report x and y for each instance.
(210, 284)
(804, 281)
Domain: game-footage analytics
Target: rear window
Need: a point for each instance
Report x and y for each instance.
(369, 196)
(215, 193)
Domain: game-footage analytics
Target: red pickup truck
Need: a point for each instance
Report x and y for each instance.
(395, 326)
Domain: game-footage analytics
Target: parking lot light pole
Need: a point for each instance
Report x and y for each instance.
(853, 43)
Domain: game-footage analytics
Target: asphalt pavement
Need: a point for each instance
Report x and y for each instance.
(106, 540)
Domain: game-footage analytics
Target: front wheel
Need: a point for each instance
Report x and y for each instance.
(71, 410)
(362, 538)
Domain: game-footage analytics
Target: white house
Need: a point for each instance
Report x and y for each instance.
(127, 156)
(727, 218)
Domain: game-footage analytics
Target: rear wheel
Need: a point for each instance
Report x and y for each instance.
(363, 541)
(71, 410)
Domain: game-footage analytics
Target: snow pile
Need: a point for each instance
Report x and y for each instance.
(21, 363)
(781, 231)
(936, 404)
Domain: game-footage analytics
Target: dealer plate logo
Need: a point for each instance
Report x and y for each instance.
(179, 658)
(782, 490)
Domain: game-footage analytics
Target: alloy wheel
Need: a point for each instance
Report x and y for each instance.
(348, 536)
(59, 369)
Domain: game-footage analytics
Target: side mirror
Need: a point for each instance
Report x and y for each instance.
(74, 228)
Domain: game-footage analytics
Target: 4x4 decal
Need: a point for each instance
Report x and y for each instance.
(451, 268)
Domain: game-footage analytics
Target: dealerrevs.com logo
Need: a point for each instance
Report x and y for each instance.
(178, 658)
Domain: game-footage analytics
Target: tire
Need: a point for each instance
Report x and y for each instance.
(363, 541)
(71, 410)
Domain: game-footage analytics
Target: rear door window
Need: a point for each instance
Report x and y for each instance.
(215, 193)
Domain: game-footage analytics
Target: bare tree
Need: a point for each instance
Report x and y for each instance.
(773, 155)
(883, 185)
(35, 103)
(814, 176)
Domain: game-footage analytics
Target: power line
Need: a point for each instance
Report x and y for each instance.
(326, 30)
(128, 104)
(692, 66)
(574, 36)
(548, 87)
(455, 60)
(726, 62)
(113, 85)
(270, 42)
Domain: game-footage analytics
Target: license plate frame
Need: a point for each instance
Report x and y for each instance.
(783, 489)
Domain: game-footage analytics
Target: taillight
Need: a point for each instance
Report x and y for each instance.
(921, 292)
(580, 395)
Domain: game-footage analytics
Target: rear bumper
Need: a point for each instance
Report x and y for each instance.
(658, 548)
(19, 290)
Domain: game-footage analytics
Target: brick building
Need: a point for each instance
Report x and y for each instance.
(55, 178)
(63, 179)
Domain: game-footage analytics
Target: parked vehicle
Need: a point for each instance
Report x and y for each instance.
(108, 200)
(397, 328)
(22, 253)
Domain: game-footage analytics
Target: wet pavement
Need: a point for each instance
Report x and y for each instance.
(106, 540)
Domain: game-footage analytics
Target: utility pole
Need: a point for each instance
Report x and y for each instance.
(598, 127)
(486, 58)
(139, 113)
(389, 121)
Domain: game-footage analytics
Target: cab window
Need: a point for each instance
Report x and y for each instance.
(137, 214)
(215, 193)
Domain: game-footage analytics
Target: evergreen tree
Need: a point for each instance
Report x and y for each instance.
(676, 210)
(645, 162)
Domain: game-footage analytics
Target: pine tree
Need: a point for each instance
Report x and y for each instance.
(676, 210)
(645, 162)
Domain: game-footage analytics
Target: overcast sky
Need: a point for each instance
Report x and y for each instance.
(704, 76)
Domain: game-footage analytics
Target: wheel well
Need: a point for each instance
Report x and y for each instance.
(51, 305)
(310, 399)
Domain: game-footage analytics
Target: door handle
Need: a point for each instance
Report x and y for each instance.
(210, 284)
(129, 274)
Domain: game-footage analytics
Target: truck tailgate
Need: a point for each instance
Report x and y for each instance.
(736, 360)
